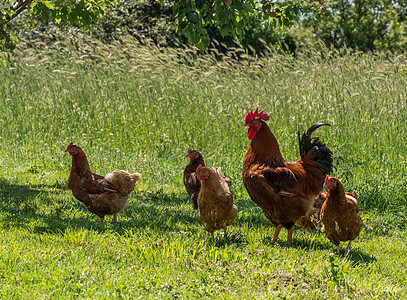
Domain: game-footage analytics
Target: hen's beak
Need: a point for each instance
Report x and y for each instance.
(246, 124)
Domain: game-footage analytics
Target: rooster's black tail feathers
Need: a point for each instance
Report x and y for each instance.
(313, 145)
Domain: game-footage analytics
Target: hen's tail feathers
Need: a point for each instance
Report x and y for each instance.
(136, 176)
(225, 177)
(313, 146)
(123, 181)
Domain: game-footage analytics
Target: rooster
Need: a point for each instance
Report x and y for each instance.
(339, 214)
(215, 202)
(285, 191)
(102, 195)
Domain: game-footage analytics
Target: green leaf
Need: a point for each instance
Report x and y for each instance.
(225, 29)
(192, 17)
(247, 7)
(48, 4)
(200, 45)
(4, 62)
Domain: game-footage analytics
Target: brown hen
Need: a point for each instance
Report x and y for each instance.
(215, 202)
(192, 184)
(102, 195)
(339, 214)
(311, 219)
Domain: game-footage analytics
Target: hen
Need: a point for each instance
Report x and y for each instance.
(285, 191)
(311, 220)
(339, 214)
(192, 184)
(215, 202)
(102, 195)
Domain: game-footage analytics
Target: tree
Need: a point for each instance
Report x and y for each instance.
(233, 17)
(362, 25)
(74, 12)
(193, 17)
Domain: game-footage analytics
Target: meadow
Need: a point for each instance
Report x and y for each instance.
(140, 109)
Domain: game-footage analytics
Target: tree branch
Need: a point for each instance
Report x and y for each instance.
(18, 7)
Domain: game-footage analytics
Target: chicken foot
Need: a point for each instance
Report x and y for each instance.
(347, 251)
(276, 233)
(289, 234)
(225, 232)
(115, 219)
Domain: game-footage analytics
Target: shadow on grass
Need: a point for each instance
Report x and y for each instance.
(358, 257)
(319, 242)
(47, 208)
(235, 238)
(19, 200)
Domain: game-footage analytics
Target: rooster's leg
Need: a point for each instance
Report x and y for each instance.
(290, 236)
(277, 232)
(347, 251)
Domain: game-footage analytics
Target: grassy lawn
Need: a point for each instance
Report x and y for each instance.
(140, 110)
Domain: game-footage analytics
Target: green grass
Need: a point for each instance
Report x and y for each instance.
(139, 109)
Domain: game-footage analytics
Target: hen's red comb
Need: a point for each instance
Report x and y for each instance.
(199, 168)
(70, 145)
(326, 179)
(256, 115)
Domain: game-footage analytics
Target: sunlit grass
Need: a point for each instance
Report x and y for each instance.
(140, 109)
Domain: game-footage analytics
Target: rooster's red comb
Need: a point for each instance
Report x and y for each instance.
(256, 115)
(199, 168)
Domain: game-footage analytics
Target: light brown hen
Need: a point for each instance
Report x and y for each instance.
(101, 195)
(215, 202)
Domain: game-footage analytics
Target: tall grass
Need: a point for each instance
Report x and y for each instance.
(143, 109)
(140, 109)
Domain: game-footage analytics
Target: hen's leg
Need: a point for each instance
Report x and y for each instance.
(213, 237)
(225, 230)
(194, 198)
(290, 236)
(277, 232)
(115, 218)
(347, 251)
(337, 249)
